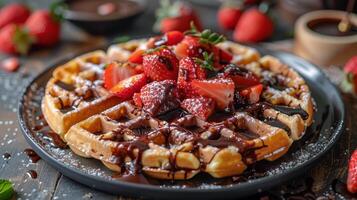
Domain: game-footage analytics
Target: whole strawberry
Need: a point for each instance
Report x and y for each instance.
(253, 26)
(228, 17)
(352, 173)
(14, 40)
(45, 27)
(175, 17)
(13, 13)
(351, 75)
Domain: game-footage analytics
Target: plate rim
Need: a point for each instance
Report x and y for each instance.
(276, 179)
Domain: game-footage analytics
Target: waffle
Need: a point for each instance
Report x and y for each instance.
(128, 139)
(75, 92)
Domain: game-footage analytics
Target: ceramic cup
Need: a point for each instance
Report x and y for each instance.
(323, 49)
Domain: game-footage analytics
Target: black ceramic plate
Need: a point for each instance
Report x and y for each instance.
(319, 138)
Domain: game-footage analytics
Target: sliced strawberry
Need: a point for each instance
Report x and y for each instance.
(173, 37)
(225, 56)
(10, 64)
(190, 46)
(188, 71)
(352, 173)
(161, 65)
(252, 94)
(137, 56)
(126, 88)
(244, 81)
(201, 107)
(137, 100)
(159, 97)
(116, 72)
(221, 90)
(139, 69)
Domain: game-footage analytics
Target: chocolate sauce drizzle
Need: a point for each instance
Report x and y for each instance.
(32, 155)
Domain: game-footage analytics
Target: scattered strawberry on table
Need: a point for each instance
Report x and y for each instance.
(20, 29)
(186, 70)
(253, 26)
(14, 13)
(175, 16)
(228, 16)
(352, 173)
(349, 84)
(248, 19)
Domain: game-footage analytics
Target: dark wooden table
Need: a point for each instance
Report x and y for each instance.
(324, 181)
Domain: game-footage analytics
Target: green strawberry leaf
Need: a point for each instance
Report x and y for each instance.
(57, 9)
(121, 39)
(22, 40)
(206, 62)
(206, 36)
(6, 190)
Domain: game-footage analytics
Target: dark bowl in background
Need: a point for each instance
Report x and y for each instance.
(102, 24)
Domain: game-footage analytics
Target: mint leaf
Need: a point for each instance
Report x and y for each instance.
(6, 190)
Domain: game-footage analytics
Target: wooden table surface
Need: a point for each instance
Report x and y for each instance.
(323, 181)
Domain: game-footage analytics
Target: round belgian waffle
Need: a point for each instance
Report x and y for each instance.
(177, 146)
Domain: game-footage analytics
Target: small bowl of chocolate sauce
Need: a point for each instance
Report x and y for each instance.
(104, 16)
(319, 40)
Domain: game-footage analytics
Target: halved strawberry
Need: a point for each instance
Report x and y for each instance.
(190, 46)
(188, 71)
(137, 56)
(126, 88)
(244, 81)
(221, 90)
(225, 56)
(159, 97)
(201, 107)
(252, 94)
(173, 37)
(161, 65)
(116, 72)
(137, 100)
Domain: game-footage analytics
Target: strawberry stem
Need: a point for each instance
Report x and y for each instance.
(166, 9)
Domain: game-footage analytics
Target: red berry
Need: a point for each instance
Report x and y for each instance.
(225, 56)
(228, 17)
(10, 64)
(252, 94)
(253, 26)
(159, 97)
(188, 71)
(221, 90)
(173, 37)
(242, 82)
(180, 21)
(137, 100)
(201, 107)
(137, 56)
(43, 27)
(116, 72)
(13, 13)
(126, 88)
(161, 65)
(352, 173)
(14, 39)
(351, 69)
